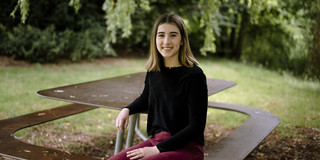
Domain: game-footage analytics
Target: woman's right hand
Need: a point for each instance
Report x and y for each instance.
(123, 119)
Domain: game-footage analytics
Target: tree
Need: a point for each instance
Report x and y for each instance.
(118, 17)
(24, 10)
(280, 35)
(313, 64)
(245, 22)
(208, 9)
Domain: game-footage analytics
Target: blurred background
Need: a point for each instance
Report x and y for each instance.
(279, 35)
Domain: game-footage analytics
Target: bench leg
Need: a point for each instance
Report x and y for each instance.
(137, 129)
(119, 142)
(130, 134)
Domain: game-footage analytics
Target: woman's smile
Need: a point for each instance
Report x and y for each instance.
(167, 49)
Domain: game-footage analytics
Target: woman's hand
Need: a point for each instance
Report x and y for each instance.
(123, 118)
(142, 152)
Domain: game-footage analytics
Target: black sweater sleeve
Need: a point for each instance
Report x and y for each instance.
(141, 103)
(198, 101)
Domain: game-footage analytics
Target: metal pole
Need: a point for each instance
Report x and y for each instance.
(137, 129)
(119, 141)
(130, 135)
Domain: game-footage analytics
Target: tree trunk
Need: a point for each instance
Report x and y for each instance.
(313, 66)
(233, 34)
(224, 36)
(241, 37)
(224, 42)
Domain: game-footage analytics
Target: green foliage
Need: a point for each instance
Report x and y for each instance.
(54, 31)
(279, 36)
(144, 4)
(118, 17)
(261, 48)
(31, 43)
(312, 70)
(24, 9)
(276, 34)
(87, 44)
(36, 45)
(207, 9)
(75, 4)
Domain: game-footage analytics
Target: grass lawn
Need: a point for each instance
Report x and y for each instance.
(294, 101)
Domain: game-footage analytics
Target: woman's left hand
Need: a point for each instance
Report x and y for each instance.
(142, 152)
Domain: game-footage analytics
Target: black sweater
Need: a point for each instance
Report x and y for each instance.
(176, 101)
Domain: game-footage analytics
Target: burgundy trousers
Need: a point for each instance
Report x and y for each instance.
(191, 151)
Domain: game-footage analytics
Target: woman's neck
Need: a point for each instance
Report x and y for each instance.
(171, 62)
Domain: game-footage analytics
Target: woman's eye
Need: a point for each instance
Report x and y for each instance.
(160, 35)
(173, 35)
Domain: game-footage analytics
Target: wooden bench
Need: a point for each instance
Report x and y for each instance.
(13, 148)
(243, 140)
(237, 145)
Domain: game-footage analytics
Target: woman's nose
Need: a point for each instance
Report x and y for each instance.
(166, 39)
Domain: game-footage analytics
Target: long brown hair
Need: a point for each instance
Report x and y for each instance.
(186, 58)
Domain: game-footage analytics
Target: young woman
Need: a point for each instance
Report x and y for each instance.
(175, 96)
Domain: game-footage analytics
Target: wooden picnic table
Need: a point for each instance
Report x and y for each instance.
(115, 93)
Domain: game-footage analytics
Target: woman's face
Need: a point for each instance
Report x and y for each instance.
(168, 40)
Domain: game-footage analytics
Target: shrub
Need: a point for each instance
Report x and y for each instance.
(31, 44)
(275, 49)
(47, 45)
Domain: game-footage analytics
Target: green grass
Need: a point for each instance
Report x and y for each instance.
(294, 101)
